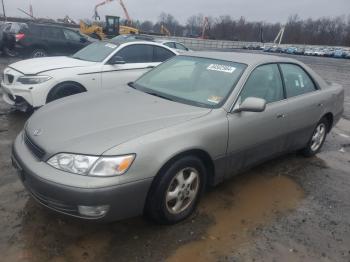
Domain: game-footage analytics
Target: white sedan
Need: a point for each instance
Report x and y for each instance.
(34, 82)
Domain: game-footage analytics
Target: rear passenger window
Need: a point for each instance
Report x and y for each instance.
(161, 54)
(52, 32)
(71, 35)
(170, 44)
(296, 80)
(136, 53)
(181, 47)
(264, 82)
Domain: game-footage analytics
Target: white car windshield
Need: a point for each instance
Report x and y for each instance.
(196, 81)
(96, 52)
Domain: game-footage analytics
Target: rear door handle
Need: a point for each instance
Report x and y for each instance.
(281, 116)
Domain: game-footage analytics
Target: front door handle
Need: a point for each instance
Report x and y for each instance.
(281, 116)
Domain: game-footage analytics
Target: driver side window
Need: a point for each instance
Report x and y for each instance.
(137, 53)
(264, 82)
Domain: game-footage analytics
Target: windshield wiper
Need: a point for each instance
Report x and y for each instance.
(161, 96)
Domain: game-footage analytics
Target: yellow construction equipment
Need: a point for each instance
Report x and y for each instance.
(127, 29)
(94, 30)
(164, 30)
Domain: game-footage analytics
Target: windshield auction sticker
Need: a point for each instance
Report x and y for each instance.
(214, 99)
(221, 68)
(111, 45)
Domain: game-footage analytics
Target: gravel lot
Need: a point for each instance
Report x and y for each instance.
(289, 209)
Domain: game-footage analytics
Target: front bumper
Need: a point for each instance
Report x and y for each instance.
(17, 97)
(124, 200)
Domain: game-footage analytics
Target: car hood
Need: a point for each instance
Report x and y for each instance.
(94, 122)
(39, 65)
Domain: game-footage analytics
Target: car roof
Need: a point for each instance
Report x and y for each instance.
(163, 41)
(244, 58)
(145, 42)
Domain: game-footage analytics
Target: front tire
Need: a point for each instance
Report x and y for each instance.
(317, 139)
(38, 52)
(63, 90)
(176, 191)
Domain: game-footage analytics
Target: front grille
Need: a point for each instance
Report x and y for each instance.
(35, 149)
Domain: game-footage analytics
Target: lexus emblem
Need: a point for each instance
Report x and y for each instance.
(37, 132)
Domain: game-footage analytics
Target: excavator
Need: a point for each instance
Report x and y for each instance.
(164, 30)
(97, 31)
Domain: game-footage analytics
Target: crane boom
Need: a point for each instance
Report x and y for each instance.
(127, 16)
(205, 25)
(125, 11)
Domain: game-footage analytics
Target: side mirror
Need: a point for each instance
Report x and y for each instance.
(116, 60)
(252, 104)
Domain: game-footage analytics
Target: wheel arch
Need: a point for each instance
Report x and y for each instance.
(65, 82)
(200, 153)
(330, 118)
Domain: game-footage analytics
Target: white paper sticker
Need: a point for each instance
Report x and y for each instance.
(221, 68)
(110, 45)
(214, 99)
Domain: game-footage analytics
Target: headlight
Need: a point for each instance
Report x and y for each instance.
(32, 80)
(110, 166)
(91, 165)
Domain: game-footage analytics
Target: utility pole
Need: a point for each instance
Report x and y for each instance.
(3, 8)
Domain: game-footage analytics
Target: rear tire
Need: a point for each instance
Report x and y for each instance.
(64, 90)
(176, 191)
(317, 138)
(10, 52)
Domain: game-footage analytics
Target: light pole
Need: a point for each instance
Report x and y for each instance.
(3, 8)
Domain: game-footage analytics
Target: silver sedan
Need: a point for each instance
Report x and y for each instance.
(153, 146)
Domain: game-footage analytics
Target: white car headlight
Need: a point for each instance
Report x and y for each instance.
(32, 80)
(92, 165)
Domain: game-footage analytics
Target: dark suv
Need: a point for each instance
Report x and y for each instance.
(38, 40)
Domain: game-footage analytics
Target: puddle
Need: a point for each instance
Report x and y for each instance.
(237, 211)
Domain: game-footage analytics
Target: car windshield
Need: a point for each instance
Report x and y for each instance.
(96, 52)
(196, 81)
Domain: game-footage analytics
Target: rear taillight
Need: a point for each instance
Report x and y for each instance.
(19, 37)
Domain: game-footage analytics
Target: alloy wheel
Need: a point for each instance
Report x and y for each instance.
(182, 190)
(318, 137)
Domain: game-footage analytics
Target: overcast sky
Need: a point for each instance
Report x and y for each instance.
(253, 10)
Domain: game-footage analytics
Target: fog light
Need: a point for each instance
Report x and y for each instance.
(93, 211)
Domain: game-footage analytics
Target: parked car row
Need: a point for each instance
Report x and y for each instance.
(39, 40)
(116, 138)
(309, 51)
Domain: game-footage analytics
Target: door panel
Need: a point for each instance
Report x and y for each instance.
(304, 107)
(73, 41)
(257, 136)
(54, 39)
(138, 59)
(303, 112)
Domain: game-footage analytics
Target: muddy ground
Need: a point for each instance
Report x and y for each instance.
(289, 209)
